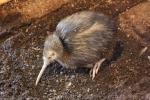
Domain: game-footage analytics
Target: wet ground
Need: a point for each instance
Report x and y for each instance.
(126, 77)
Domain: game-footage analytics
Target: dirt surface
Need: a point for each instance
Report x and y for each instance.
(126, 78)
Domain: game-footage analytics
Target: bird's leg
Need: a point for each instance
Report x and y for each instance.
(96, 67)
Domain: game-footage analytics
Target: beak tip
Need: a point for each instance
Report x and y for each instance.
(36, 83)
(41, 72)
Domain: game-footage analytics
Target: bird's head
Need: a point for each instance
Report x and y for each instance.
(53, 50)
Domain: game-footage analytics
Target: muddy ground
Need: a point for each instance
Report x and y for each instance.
(127, 77)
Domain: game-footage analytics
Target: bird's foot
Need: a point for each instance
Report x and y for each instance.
(96, 67)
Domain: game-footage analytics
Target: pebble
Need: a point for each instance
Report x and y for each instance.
(33, 66)
(148, 57)
(88, 90)
(72, 76)
(68, 84)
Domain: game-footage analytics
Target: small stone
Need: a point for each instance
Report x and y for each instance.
(79, 96)
(57, 81)
(72, 76)
(50, 99)
(61, 73)
(88, 90)
(68, 84)
(54, 91)
(27, 30)
(38, 56)
(59, 97)
(72, 5)
(148, 57)
(33, 66)
(1, 72)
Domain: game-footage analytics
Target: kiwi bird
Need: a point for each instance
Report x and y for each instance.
(82, 39)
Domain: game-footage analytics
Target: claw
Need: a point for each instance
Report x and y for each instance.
(96, 67)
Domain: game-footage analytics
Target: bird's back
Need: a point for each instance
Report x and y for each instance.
(86, 36)
(74, 23)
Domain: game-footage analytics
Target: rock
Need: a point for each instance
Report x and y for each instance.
(16, 13)
(135, 22)
(148, 57)
(3, 1)
(68, 84)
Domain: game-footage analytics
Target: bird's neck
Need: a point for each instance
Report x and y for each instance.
(63, 50)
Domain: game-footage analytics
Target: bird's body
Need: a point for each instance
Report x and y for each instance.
(86, 37)
(81, 39)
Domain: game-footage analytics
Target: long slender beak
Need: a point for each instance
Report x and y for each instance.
(42, 71)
